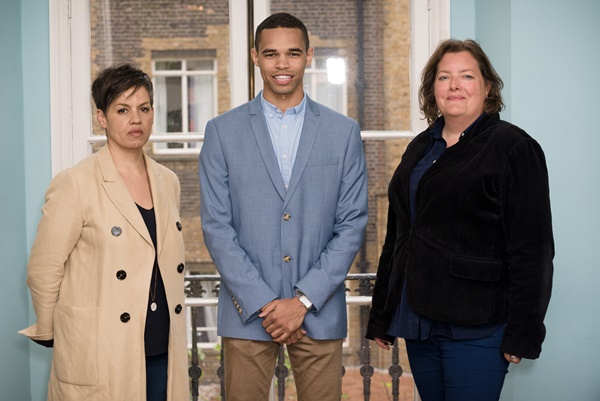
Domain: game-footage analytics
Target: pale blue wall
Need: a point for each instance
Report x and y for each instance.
(36, 104)
(25, 161)
(14, 363)
(462, 19)
(547, 52)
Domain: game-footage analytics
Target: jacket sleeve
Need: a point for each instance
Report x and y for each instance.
(238, 274)
(378, 322)
(58, 232)
(329, 272)
(530, 248)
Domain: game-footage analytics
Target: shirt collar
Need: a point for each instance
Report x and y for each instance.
(436, 132)
(271, 110)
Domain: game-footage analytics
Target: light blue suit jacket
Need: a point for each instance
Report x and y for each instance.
(266, 241)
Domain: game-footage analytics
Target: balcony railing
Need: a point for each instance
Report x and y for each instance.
(360, 296)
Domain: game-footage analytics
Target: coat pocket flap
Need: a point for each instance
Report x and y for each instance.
(476, 269)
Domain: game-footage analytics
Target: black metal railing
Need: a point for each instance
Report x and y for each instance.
(360, 295)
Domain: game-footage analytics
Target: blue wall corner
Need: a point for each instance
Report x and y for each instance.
(25, 159)
(14, 364)
(37, 155)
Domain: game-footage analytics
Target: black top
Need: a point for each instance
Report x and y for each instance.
(156, 334)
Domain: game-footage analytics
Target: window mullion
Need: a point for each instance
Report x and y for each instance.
(185, 123)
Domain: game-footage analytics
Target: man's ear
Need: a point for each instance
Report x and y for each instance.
(309, 56)
(254, 56)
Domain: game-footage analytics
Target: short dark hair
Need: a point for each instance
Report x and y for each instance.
(111, 82)
(281, 20)
(493, 103)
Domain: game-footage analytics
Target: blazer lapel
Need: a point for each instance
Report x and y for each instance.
(307, 140)
(119, 195)
(265, 146)
(161, 206)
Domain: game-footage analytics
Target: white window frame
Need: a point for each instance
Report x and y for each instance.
(70, 65)
(70, 77)
(183, 73)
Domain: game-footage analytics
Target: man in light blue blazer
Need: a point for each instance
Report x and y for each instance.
(284, 209)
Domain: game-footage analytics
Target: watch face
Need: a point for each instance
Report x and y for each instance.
(304, 299)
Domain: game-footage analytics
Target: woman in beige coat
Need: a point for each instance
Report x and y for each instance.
(106, 270)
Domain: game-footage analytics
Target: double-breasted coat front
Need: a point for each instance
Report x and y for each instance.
(89, 274)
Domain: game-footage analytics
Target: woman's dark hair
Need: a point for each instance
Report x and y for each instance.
(281, 20)
(113, 81)
(493, 103)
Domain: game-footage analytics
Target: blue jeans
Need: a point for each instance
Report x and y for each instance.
(156, 377)
(445, 369)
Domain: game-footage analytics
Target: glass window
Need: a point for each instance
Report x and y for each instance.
(367, 63)
(325, 80)
(185, 98)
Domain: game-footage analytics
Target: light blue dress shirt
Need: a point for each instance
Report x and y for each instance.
(285, 130)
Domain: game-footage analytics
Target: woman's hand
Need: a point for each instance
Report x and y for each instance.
(512, 358)
(383, 343)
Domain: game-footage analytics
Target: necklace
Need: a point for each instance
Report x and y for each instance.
(153, 291)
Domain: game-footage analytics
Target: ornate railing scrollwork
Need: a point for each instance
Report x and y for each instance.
(195, 294)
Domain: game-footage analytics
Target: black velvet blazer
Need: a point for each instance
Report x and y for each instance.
(480, 249)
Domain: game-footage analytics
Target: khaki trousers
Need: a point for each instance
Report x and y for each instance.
(250, 366)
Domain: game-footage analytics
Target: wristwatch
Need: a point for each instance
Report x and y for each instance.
(304, 300)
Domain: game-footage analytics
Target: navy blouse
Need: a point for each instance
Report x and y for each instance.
(156, 333)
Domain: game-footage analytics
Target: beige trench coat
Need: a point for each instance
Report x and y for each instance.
(90, 230)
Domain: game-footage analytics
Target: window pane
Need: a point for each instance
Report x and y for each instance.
(308, 80)
(168, 65)
(326, 81)
(330, 94)
(200, 65)
(320, 63)
(168, 107)
(200, 102)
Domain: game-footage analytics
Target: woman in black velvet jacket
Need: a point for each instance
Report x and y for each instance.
(465, 273)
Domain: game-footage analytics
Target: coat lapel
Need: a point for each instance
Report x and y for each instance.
(159, 198)
(307, 140)
(265, 146)
(119, 195)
